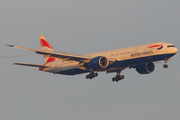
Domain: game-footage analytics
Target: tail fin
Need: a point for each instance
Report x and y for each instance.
(47, 47)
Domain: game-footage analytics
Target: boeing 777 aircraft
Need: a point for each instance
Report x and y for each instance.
(140, 57)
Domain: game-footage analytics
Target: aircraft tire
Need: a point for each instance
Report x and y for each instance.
(113, 79)
(95, 74)
(122, 77)
(165, 66)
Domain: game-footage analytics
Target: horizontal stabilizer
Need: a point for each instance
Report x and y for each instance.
(32, 65)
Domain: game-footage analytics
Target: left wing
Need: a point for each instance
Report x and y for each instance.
(62, 56)
(32, 65)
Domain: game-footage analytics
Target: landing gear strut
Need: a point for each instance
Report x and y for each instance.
(165, 64)
(118, 77)
(91, 75)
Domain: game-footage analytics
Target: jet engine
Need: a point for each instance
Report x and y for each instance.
(145, 68)
(99, 62)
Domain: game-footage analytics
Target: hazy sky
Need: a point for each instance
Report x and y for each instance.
(80, 27)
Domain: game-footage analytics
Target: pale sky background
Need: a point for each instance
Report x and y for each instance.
(80, 27)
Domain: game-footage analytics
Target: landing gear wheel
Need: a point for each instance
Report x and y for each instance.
(91, 75)
(122, 76)
(95, 74)
(165, 66)
(87, 76)
(117, 78)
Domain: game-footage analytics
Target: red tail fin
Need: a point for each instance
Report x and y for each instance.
(47, 47)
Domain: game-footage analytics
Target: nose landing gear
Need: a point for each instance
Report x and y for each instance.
(165, 64)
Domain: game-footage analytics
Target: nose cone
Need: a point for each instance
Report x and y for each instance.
(172, 50)
(175, 50)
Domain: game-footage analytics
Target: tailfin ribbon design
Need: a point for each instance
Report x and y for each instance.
(46, 47)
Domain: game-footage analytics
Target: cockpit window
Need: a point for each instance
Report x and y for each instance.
(170, 46)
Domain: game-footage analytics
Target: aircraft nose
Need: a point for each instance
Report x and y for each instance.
(175, 50)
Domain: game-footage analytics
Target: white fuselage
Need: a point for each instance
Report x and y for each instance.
(124, 57)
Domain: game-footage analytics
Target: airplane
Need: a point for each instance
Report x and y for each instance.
(141, 58)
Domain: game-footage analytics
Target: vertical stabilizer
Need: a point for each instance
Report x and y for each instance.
(46, 47)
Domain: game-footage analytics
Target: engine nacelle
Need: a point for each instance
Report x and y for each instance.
(99, 62)
(145, 68)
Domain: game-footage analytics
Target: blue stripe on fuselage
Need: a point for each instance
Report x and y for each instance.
(123, 63)
(73, 71)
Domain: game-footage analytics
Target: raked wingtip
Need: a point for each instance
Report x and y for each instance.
(10, 45)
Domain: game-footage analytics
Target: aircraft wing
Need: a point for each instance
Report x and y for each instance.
(32, 65)
(62, 56)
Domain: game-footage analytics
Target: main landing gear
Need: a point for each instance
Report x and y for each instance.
(91, 75)
(118, 77)
(165, 64)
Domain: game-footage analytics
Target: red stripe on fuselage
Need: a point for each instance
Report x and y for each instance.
(45, 43)
(155, 46)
